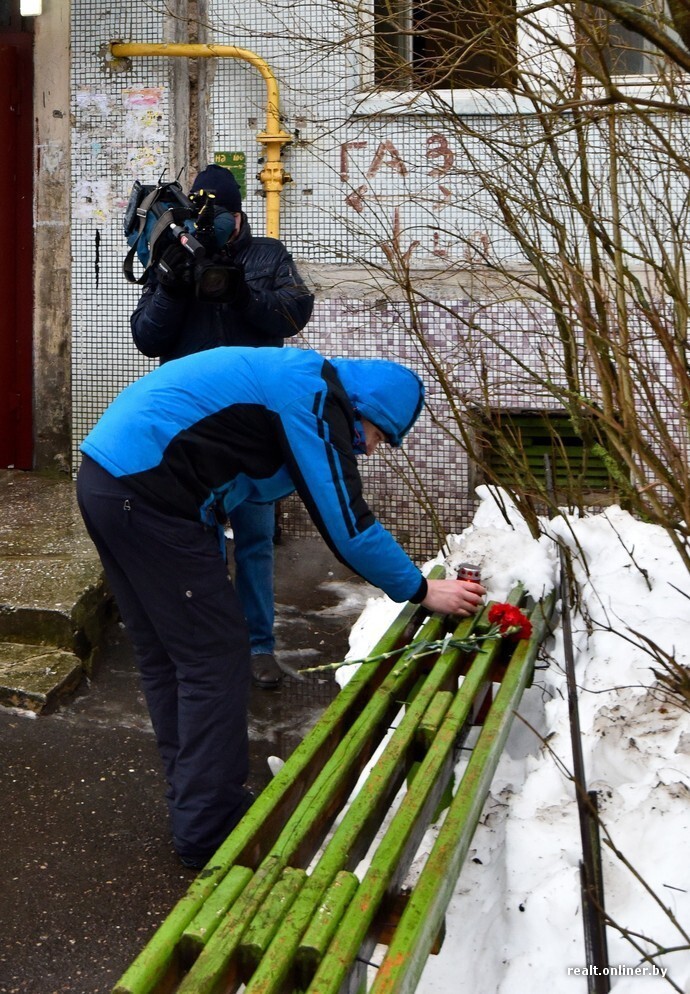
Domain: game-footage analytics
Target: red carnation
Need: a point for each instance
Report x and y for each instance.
(512, 623)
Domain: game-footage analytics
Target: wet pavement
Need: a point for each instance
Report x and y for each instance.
(88, 870)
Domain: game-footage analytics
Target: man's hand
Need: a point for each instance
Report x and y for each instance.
(461, 597)
(174, 269)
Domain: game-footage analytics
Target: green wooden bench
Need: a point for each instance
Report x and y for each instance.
(279, 908)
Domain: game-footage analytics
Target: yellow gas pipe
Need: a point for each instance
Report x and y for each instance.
(273, 177)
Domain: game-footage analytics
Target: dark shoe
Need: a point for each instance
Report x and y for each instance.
(265, 671)
(199, 862)
(193, 862)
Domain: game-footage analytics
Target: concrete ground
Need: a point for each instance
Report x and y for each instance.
(88, 870)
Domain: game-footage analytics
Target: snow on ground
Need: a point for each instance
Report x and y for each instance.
(515, 921)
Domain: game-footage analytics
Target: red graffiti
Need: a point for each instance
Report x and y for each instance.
(345, 158)
(386, 155)
(444, 198)
(393, 249)
(437, 147)
(437, 250)
(477, 246)
(356, 198)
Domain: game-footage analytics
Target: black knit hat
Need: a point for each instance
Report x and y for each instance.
(221, 182)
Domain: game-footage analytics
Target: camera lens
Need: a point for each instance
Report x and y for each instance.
(214, 281)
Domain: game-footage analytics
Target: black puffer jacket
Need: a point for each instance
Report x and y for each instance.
(170, 325)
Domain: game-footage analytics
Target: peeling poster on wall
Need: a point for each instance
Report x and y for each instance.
(92, 103)
(144, 114)
(93, 200)
(145, 125)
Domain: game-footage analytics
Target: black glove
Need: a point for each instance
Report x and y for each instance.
(221, 281)
(174, 270)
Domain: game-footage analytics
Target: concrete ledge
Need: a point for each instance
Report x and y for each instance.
(52, 591)
(72, 623)
(35, 677)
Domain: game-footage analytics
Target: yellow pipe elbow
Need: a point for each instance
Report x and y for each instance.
(273, 176)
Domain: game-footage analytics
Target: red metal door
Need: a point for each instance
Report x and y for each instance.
(16, 291)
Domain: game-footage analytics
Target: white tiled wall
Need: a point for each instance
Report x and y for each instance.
(366, 189)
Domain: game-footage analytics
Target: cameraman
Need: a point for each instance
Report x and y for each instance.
(264, 301)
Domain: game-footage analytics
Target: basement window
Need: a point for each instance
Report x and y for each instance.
(511, 446)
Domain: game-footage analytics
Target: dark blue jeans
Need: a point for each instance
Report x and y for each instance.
(190, 639)
(253, 526)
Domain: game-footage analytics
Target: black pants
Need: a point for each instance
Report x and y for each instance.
(190, 638)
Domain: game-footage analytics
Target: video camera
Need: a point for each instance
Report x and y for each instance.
(157, 216)
(213, 274)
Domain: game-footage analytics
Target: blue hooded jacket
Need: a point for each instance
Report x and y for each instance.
(201, 434)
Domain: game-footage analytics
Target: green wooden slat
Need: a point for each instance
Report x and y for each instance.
(216, 905)
(361, 820)
(410, 947)
(323, 925)
(586, 481)
(159, 967)
(265, 923)
(399, 844)
(214, 970)
(561, 477)
(158, 963)
(218, 968)
(433, 717)
(570, 457)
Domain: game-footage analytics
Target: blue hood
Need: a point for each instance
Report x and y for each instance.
(389, 395)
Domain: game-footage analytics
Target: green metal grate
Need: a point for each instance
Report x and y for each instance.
(514, 445)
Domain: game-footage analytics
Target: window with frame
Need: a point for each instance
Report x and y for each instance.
(473, 44)
(605, 46)
(444, 44)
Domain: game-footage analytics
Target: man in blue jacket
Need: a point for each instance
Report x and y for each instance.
(265, 302)
(166, 464)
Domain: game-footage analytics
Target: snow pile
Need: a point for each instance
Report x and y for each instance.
(515, 922)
